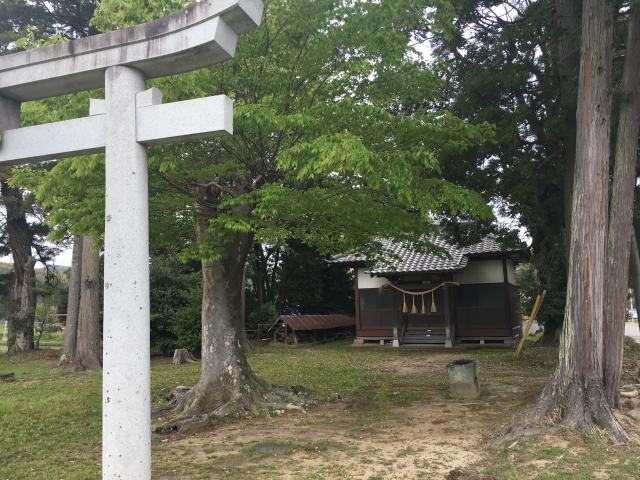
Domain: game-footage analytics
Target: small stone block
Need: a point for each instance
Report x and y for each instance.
(151, 96)
(97, 106)
(463, 379)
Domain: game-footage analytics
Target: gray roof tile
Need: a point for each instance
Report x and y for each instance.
(400, 257)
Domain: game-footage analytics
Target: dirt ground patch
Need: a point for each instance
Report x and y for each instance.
(402, 426)
(382, 414)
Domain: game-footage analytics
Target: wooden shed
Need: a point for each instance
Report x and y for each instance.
(294, 329)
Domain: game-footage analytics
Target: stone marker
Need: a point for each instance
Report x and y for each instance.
(463, 379)
(7, 377)
(121, 125)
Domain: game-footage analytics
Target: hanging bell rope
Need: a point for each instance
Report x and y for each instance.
(425, 292)
(414, 310)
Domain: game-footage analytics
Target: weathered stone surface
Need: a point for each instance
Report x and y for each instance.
(52, 140)
(201, 35)
(464, 474)
(463, 379)
(130, 118)
(191, 120)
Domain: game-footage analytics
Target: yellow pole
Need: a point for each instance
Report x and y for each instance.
(532, 318)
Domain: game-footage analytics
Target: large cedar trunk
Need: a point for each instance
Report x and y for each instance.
(635, 270)
(568, 23)
(88, 345)
(551, 247)
(621, 212)
(73, 304)
(227, 384)
(22, 294)
(575, 395)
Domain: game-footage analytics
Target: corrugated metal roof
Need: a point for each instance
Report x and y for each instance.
(317, 322)
(402, 258)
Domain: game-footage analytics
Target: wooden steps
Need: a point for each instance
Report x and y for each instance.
(415, 336)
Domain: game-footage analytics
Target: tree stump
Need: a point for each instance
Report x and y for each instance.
(181, 355)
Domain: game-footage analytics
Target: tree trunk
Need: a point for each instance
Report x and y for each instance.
(260, 271)
(551, 245)
(24, 319)
(621, 212)
(244, 339)
(88, 345)
(635, 271)
(575, 395)
(73, 304)
(567, 20)
(22, 295)
(227, 384)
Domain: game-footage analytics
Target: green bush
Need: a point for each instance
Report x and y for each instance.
(176, 296)
(265, 314)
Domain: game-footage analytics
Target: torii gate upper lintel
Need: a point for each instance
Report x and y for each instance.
(203, 34)
(123, 124)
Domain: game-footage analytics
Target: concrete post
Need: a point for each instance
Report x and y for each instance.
(126, 427)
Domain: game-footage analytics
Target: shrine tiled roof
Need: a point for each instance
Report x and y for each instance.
(401, 257)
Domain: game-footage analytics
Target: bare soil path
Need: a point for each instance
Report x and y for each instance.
(402, 425)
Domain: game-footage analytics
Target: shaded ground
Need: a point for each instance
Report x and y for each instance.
(384, 414)
(632, 330)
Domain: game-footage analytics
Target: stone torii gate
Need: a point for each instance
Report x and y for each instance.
(129, 118)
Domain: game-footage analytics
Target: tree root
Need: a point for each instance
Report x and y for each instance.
(176, 417)
(573, 406)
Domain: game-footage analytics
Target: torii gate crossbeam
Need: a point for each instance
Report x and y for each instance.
(129, 118)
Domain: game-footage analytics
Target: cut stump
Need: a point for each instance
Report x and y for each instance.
(181, 355)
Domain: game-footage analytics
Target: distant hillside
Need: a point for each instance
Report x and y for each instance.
(6, 267)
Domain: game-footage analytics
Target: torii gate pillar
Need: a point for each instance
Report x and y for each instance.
(9, 114)
(126, 402)
(129, 119)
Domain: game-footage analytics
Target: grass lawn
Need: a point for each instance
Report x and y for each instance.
(385, 414)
